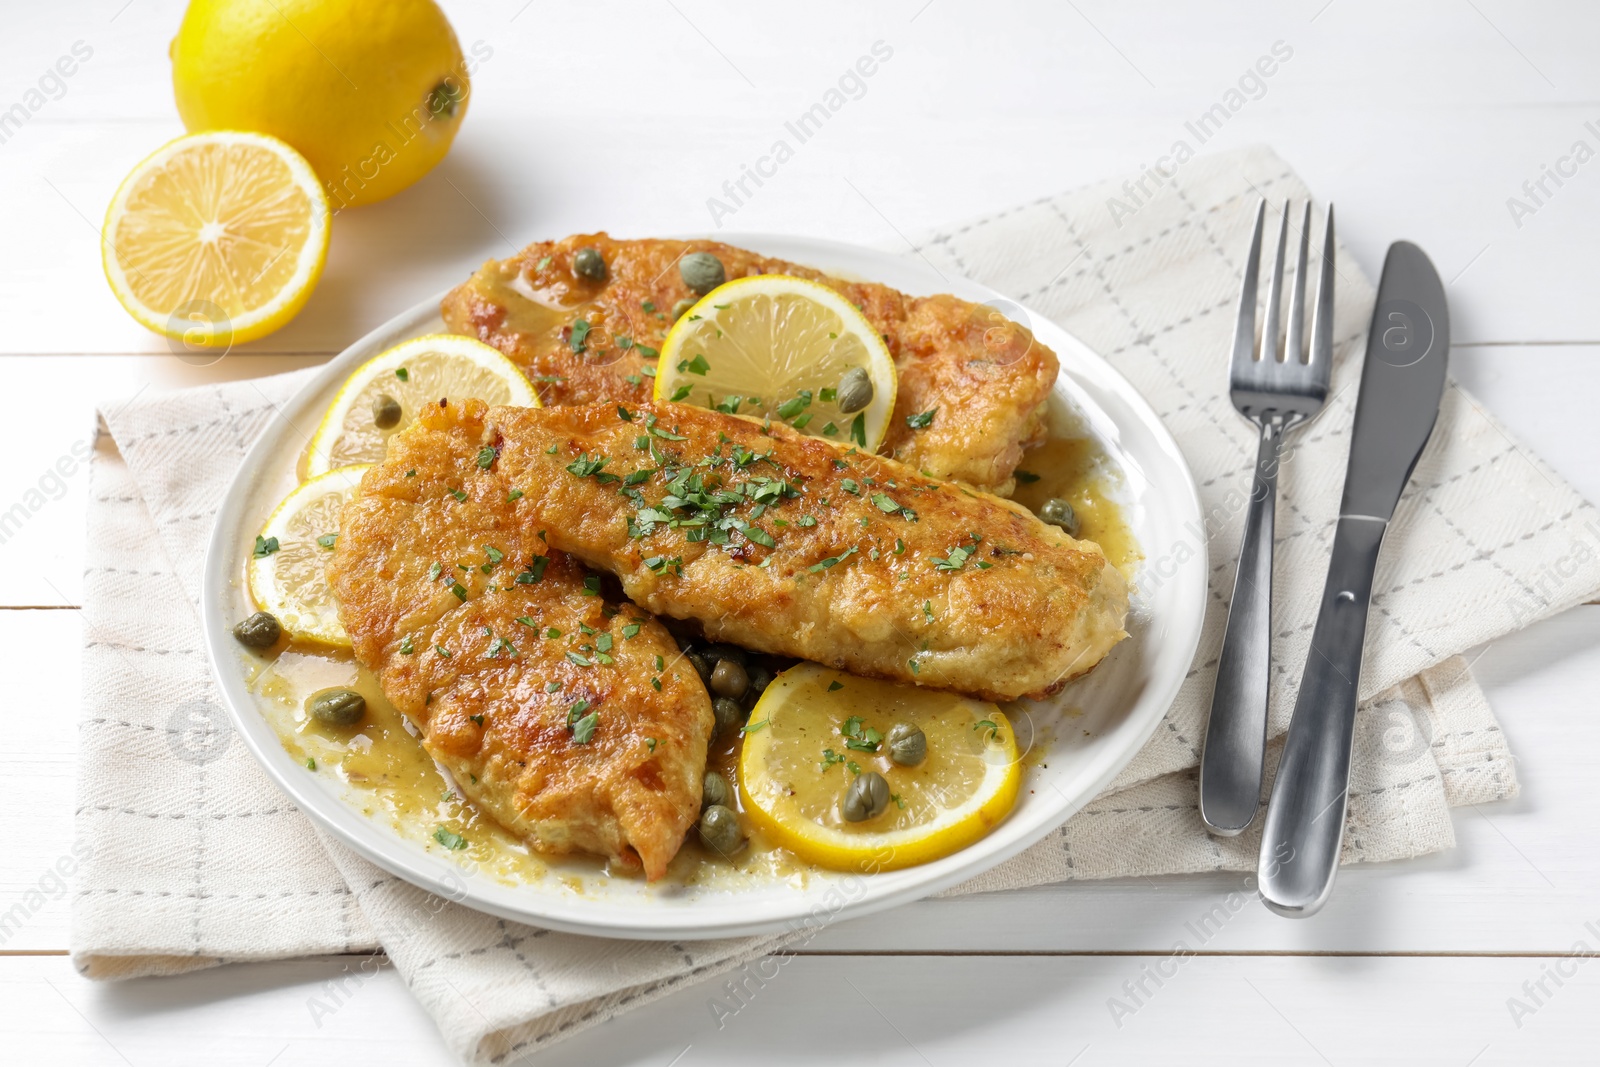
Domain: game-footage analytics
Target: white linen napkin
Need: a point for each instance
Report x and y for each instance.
(197, 859)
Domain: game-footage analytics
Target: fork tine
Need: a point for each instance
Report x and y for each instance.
(1269, 329)
(1244, 330)
(1294, 346)
(1322, 316)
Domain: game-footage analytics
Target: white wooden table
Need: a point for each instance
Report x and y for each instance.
(1419, 121)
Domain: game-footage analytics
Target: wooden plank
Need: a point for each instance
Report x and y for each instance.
(44, 483)
(1534, 391)
(916, 1011)
(1523, 878)
(1337, 110)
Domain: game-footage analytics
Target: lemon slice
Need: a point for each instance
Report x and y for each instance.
(288, 570)
(798, 760)
(415, 372)
(778, 347)
(216, 238)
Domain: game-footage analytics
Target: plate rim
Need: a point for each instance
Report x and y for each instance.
(367, 837)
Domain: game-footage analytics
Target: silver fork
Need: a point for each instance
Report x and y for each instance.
(1277, 390)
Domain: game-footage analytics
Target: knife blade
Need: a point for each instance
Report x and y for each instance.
(1402, 382)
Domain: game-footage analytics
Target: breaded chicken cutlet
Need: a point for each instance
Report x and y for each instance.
(793, 546)
(572, 721)
(987, 376)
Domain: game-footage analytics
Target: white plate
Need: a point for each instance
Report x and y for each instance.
(1106, 716)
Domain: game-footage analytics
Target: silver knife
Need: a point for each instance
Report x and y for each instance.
(1408, 350)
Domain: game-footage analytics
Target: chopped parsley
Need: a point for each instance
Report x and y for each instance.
(795, 405)
(858, 737)
(1025, 477)
(486, 457)
(858, 430)
(458, 494)
(453, 842)
(584, 466)
(834, 687)
(402, 373)
(832, 561)
(580, 334)
(407, 647)
(265, 546)
(515, 494)
(534, 571)
(591, 585)
(922, 420)
(328, 540)
(459, 590)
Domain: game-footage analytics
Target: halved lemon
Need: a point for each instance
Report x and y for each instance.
(413, 373)
(815, 730)
(288, 569)
(216, 238)
(778, 347)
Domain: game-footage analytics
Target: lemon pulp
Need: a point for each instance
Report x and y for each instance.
(777, 347)
(216, 238)
(798, 760)
(416, 372)
(288, 571)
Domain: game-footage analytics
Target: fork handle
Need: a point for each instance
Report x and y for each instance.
(1236, 733)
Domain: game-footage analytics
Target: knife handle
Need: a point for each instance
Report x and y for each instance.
(1305, 817)
(1236, 730)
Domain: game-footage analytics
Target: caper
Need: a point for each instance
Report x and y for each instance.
(729, 679)
(590, 264)
(866, 796)
(704, 664)
(907, 744)
(728, 712)
(702, 272)
(719, 829)
(1058, 512)
(337, 707)
(855, 390)
(760, 678)
(385, 411)
(260, 630)
(715, 790)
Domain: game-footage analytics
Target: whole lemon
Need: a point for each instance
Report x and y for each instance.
(371, 92)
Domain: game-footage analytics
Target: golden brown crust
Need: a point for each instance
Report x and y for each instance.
(485, 704)
(929, 583)
(986, 377)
